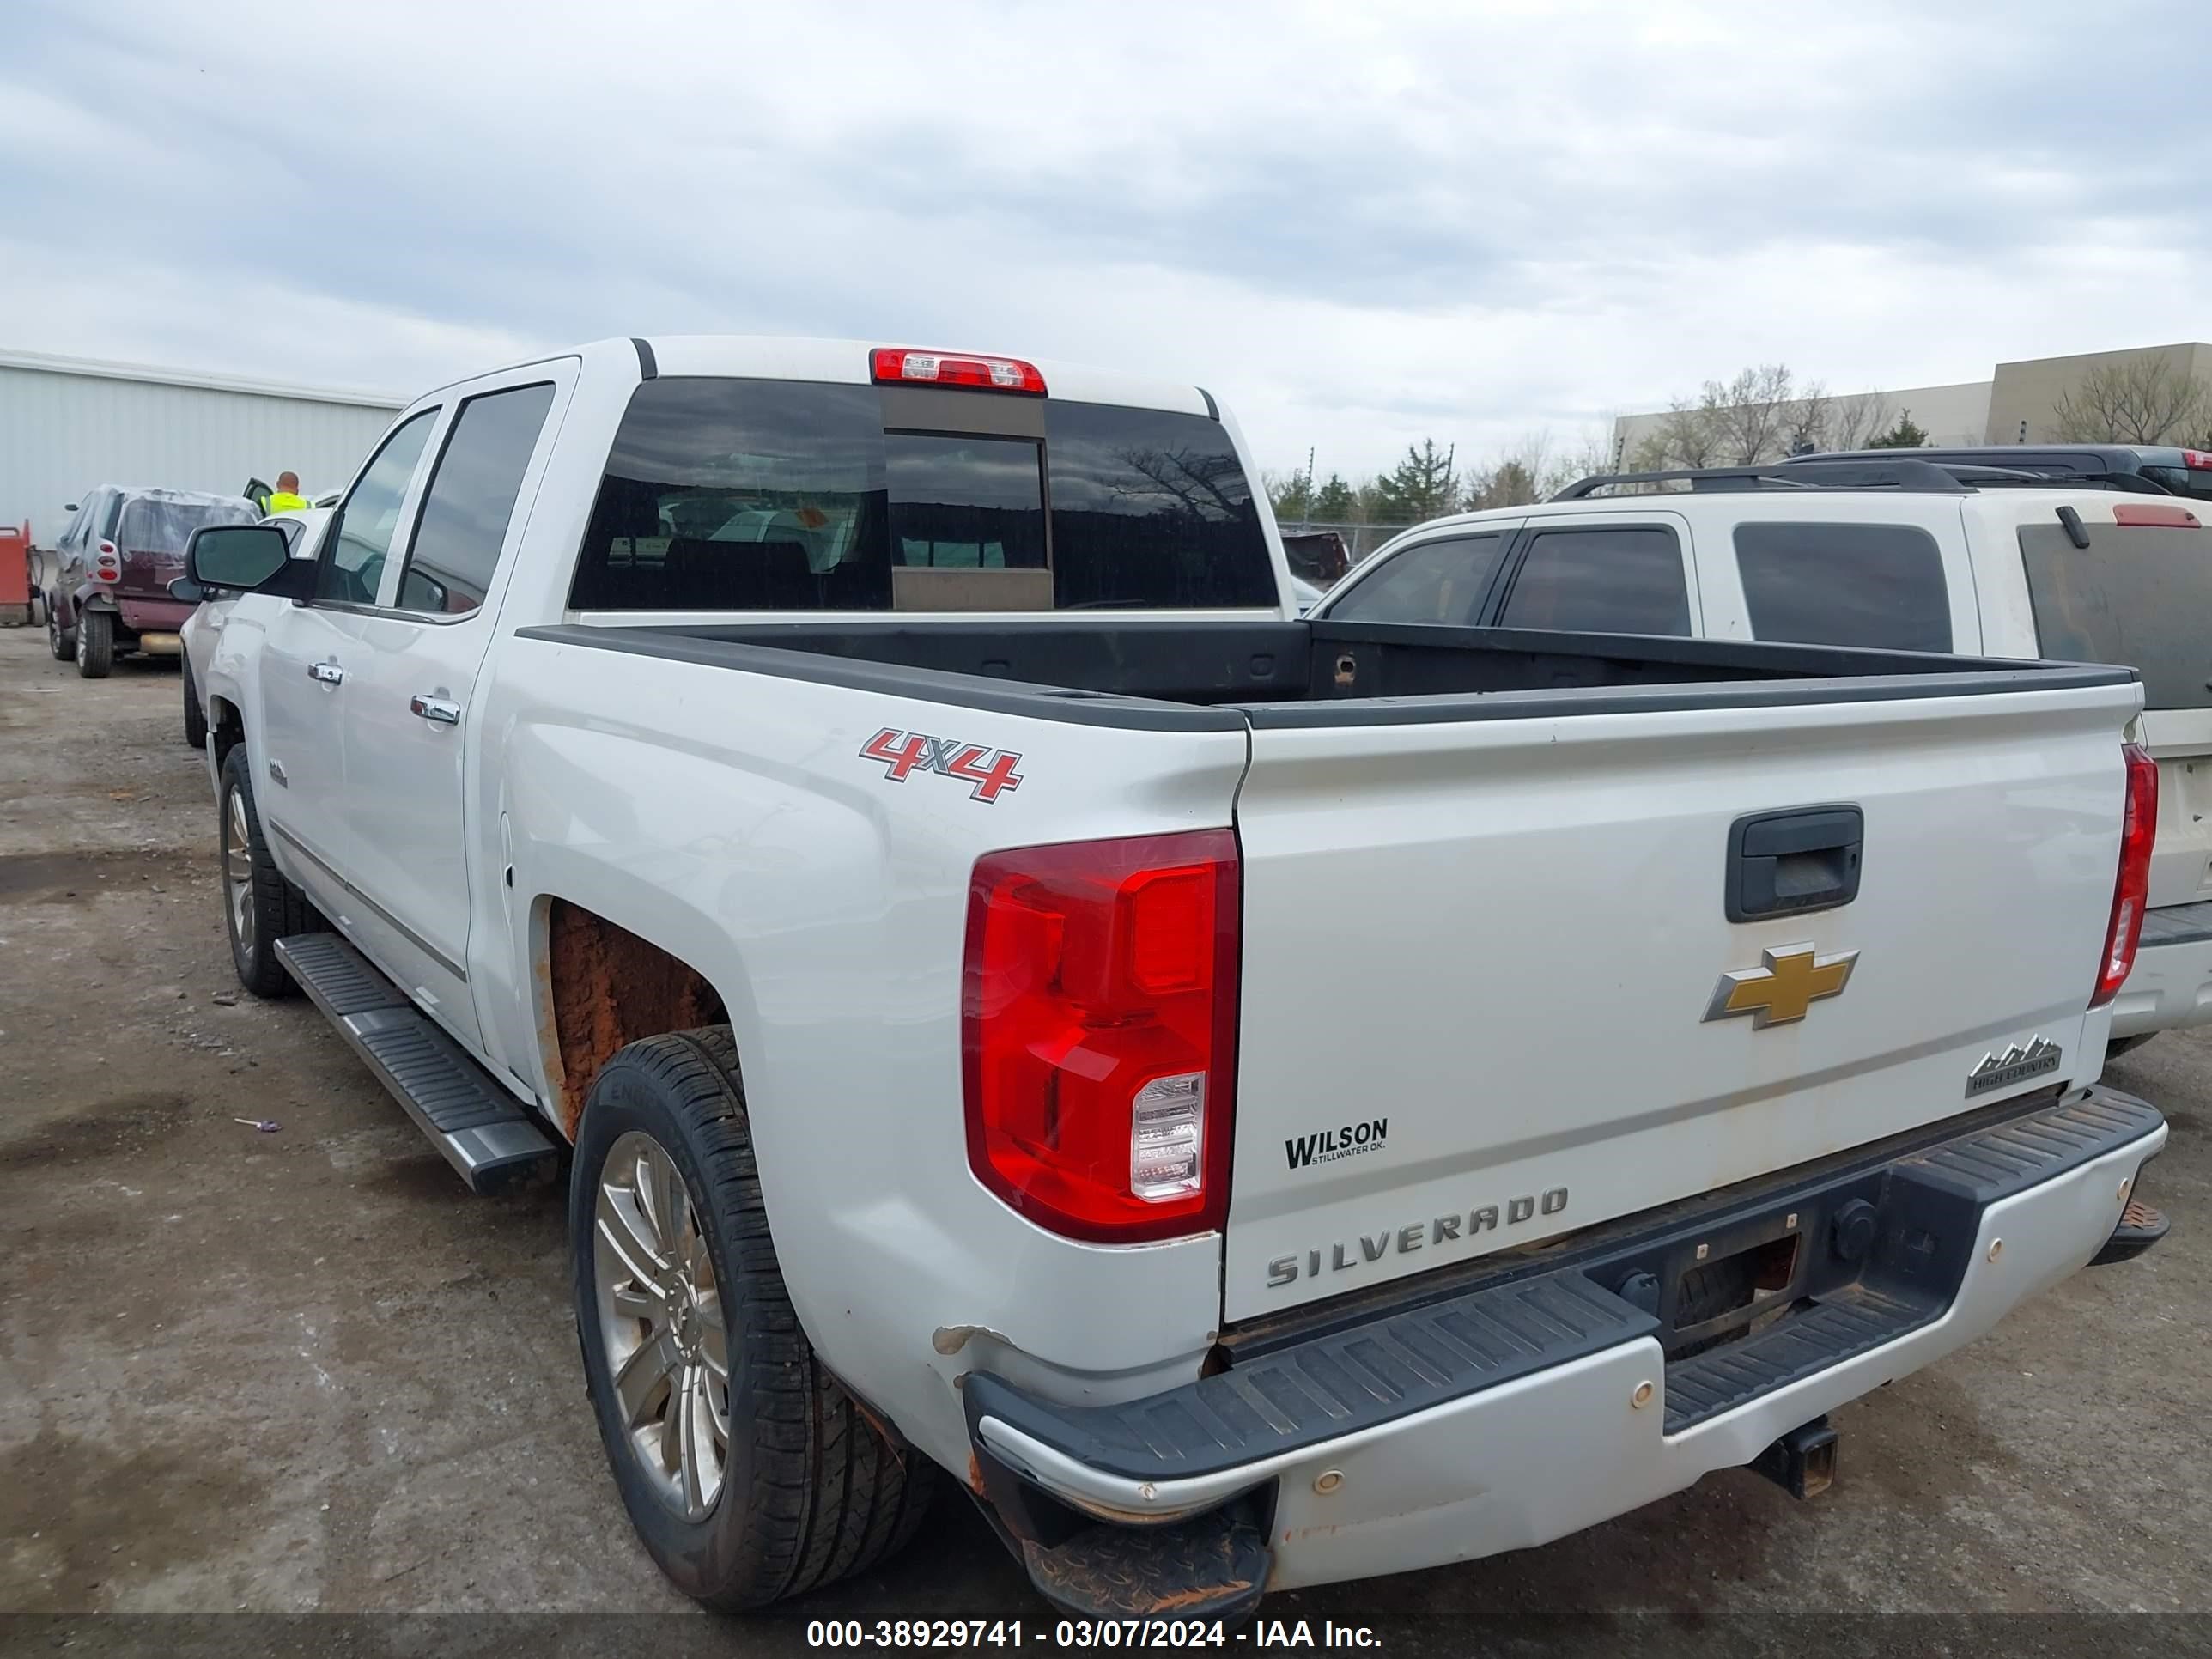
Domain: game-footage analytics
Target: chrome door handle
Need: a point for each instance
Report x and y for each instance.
(440, 710)
(328, 672)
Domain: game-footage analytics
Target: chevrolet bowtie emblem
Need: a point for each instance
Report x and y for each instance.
(1793, 979)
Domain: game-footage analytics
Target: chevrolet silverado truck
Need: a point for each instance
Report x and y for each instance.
(1254, 1101)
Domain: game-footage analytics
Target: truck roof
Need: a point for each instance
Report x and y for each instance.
(780, 357)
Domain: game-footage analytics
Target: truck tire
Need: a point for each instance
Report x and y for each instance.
(259, 905)
(770, 1481)
(195, 716)
(61, 642)
(95, 645)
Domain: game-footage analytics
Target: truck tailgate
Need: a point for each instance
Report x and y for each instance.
(1484, 982)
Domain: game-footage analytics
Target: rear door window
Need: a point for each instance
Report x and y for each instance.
(1439, 582)
(1878, 586)
(1602, 579)
(2138, 595)
(735, 495)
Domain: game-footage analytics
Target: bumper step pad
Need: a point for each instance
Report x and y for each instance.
(2141, 1227)
(1213, 1567)
(483, 1132)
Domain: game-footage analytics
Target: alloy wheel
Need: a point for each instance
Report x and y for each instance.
(238, 869)
(661, 1321)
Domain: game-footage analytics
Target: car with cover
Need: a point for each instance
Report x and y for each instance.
(108, 585)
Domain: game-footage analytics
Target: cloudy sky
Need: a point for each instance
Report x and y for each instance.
(1357, 223)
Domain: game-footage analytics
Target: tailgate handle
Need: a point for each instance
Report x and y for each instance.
(1785, 863)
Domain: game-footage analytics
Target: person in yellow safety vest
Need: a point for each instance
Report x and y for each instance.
(286, 497)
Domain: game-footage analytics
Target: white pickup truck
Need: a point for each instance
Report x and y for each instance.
(1259, 1103)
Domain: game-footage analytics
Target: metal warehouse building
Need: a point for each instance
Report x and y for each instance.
(67, 423)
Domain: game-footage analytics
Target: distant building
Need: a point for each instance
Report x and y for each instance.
(67, 423)
(2017, 404)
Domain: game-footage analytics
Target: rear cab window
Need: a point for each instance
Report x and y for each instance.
(2138, 595)
(749, 494)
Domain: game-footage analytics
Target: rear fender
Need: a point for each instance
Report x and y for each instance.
(90, 596)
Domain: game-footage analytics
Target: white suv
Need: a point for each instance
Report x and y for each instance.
(1902, 555)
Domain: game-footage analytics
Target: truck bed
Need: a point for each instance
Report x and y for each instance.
(1212, 675)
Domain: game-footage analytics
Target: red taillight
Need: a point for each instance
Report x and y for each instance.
(2132, 890)
(2200, 459)
(1098, 1032)
(896, 364)
(106, 563)
(2154, 512)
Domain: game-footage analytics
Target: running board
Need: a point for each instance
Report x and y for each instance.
(485, 1134)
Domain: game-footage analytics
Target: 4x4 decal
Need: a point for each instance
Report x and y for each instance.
(905, 753)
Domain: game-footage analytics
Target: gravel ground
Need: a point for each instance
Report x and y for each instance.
(305, 1372)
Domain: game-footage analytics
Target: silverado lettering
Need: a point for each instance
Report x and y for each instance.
(1285, 1269)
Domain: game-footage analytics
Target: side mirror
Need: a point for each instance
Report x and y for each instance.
(71, 507)
(246, 558)
(184, 590)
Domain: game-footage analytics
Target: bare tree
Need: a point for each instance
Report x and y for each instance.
(1508, 482)
(2141, 400)
(1807, 418)
(1537, 467)
(1855, 422)
(1689, 436)
(1751, 414)
(1589, 452)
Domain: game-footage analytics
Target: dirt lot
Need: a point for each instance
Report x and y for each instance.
(305, 1370)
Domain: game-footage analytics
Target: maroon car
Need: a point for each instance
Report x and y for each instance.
(108, 591)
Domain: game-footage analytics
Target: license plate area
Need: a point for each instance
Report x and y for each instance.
(1721, 1292)
(1742, 1272)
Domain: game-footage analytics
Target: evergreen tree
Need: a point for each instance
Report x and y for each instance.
(1335, 502)
(1906, 435)
(1422, 486)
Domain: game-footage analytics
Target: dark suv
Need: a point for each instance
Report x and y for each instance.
(2177, 471)
(106, 582)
